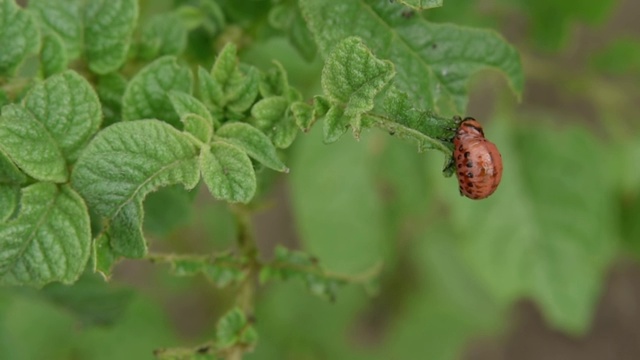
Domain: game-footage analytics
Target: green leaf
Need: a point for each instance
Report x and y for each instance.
(69, 108)
(125, 230)
(215, 20)
(226, 66)
(303, 114)
(352, 75)
(424, 128)
(321, 105)
(30, 146)
(48, 240)
(555, 246)
(103, 257)
(433, 61)
(185, 104)
(222, 270)
(108, 28)
(198, 126)
(146, 94)
(63, 17)
(336, 123)
(274, 82)
(421, 4)
(9, 173)
(229, 85)
(273, 118)
(228, 172)
(351, 78)
(210, 92)
(111, 88)
(242, 94)
(163, 34)
(192, 17)
(269, 110)
(127, 160)
(294, 264)
(53, 57)
(90, 299)
(252, 141)
(234, 329)
(9, 197)
(19, 36)
(287, 17)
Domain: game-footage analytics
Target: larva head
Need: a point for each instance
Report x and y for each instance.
(470, 127)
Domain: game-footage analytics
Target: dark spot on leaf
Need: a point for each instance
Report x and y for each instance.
(434, 46)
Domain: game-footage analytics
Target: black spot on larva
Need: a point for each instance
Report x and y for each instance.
(469, 164)
(459, 165)
(460, 148)
(466, 154)
(469, 184)
(470, 175)
(461, 173)
(459, 157)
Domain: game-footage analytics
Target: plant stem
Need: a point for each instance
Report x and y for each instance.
(247, 247)
(393, 127)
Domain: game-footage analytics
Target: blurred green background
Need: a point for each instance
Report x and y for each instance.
(546, 268)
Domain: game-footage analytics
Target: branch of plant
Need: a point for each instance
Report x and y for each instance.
(387, 124)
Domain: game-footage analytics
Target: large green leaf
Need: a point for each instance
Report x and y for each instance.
(108, 28)
(146, 96)
(228, 172)
(9, 173)
(48, 240)
(351, 78)
(433, 61)
(163, 34)
(53, 56)
(28, 143)
(18, 36)
(110, 89)
(69, 108)
(421, 4)
(9, 195)
(254, 142)
(127, 160)
(64, 17)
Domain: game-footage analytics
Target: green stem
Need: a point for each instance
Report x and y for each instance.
(402, 131)
(247, 247)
